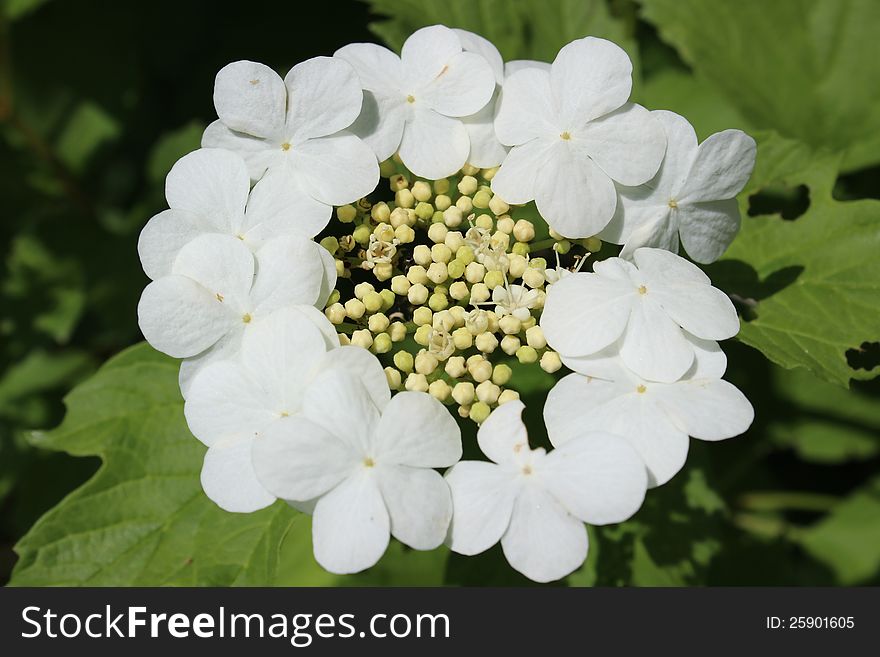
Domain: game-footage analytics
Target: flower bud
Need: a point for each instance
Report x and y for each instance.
(550, 362)
(458, 313)
(346, 213)
(455, 366)
(437, 233)
(417, 274)
(493, 321)
(383, 271)
(482, 199)
(462, 339)
(474, 273)
(442, 203)
(362, 338)
(372, 302)
(484, 221)
(455, 269)
(437, 273)
(454, 240)
(464, 205)
(417, 295)
(380, 212)
(526, 355)
(518, 265)
(477, 321)
(486, 342)
(452, 217)
(378, 323)
(397, 182)
(494, 279)
(441, 253)
(521, 248)
(498, 207)
(361, 289)
(424, 211)
(344, 340)
(468, 185)
(438, 302)
(533, 277)
(393, 377)
(480, 370)
(479, 412)
(335, 313)
(426, 362)
(488, 392)
(469, 169)
(593, 244)
(510, 325)
(362, 234)
(535, 337)
(400, 217)
(501, 374)
(421, 190)
(440, 390)
(416, 382)
(403, 198)
(422, 255)
(463, 392)
(500, 241)
(509, 344)
(507, 396)
(441, 186)
(488, 174)
(404, 234)
(331, 244)
(524, 231)
(479, 293)
(562, 247)
(382, 343)
(354, 308)
(504, 224)
(400, 284)
(397, 331)
(404, 361)
(422, 315)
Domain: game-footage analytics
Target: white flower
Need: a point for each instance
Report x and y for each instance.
(536, 503)
(656, 418)
(649, 306)
(231, 403)
(692, 195)
(413, 104)
(573, 134)
(370, 466)
(218, 289)
(516, 300)
(207, 191)
(296, 128)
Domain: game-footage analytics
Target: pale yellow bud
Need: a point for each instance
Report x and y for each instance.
(403, 198)
(524, 231)
(441, 186)
(421, 190)
(404, 361)
(380, 212)
(493, 321)
(382, 343)
(438, 301)
(441, 253)
(535, 337)
(417, 274)
(378, 323)
(443, 321)
(362, 234)
(335, 313)
(397, 331)
(422, 315)
(593, 244)
(468, 185)
(416, 382)
(488, 392)
(486, 342)
(480, 412)
(458, 291)
(539, 299)
(393, 377)
(424, 211)
(400, 217)
(484, 221)
(422, 255)
(529, 322)
(533, 277)
(452, 216)
(440, 390)
(462, 339)
(400, 284)
(470, 170)
(361, 289)
(437, 273)
(383, 271)
(458, 313)
(426, 362)
(442, 203)
(362, 338)
(509, 344)
(480, 370)
(501, 374)
(526, 355)
(455, 367)
(477, 321)
(500, 241)
(518, 265)
(507, 396)
(417, 295)
(437, 233)
(479, 293)
(474, 273)
(504, 224)
(494, 279)
(463, 392)
(397, 182)
(551, 362)
(465, 205)
(372, 302)
(340, 269)
(510, 325)
(455, 241)
(482, 199)
(498, 207)
(354, 308)
(404, 234)
(346, 213)
(488, 174)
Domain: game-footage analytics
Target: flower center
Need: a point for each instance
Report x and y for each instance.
(565, 135)
(643, 289)
(219, 297)
(641, 389)
(527, 470)
(246, 318)
(410, 99)
(369, 463)
(284, 414)
(285, 146)
(673, 203)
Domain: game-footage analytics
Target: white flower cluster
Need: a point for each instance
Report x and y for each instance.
(290, 401)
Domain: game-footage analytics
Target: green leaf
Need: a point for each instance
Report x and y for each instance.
(143, 518)
(15, 9)
(88, 128)
(170, 148)
(812, 284)
(806, 68)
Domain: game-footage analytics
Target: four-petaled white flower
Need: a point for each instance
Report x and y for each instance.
(218, 289)
(536, 503)
(413, 104)
(369, 467)
(692, 196)
(516, 300)
(295, 129)
(573, 135)
(649, 306)
(231, 403)
(207, 191)
(656, 418)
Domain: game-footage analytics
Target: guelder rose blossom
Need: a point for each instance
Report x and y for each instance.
(692, 197)
(656, 418)
(295, 129)
(536, 503)
(574, 135)
(413, 104)
(649, 306)
(232, 403)
(368, 465)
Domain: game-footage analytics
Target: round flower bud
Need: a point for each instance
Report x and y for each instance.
(437, 217)
(416, 382)
(387, 168)
(488, 392)
(500, 240)
(482, 199)
(486, 342)
(417, 295)
(333, 298)
(397, 331)
(384, 232)
(442, 203)
(468, 185)
(533, 277)
(455, 366)
(388, 299)
(479, 293)
(404, 234)
(524, 231)
(422, 334)
(400, 284)
(464, 205)
(498, 207)
(421, 190)
(488, 174)
(417, 274)
(441, 186)
(344, 340)
(509, 344)
(422, 315)
(510, 325)
(550, 362)
(501, 374)
(424, 211)
(399, 217)
(529, 322)
(484, 221)
(362, 234)
(452, 217)
(372, 302)
(463, 392)
(331, 244)
(346, 213)
(354, 308)
(474, 273)
(504, 224)
(535, 337)
(380, 212)
(526, 355)
(378, 323)
(426, 362)
(455, 268)
(494, 279)
(480, 370)
(469, 169)
(361, 289)
(480, 412)
(404, 198)
(506, 396)
(393, 377)
(464, 254)
(440, 390)
(539, 300)
(404, 361)
(443, 321)
(336, 313)
(441, 253)
(383, 271)
(437, 273)
(593, 244)
(341, 271)
(458, 313)
(521, 248)
(518, 265)
(397, 182)
(437, 233)
(462, 339)
(477, 321)
(493, 321)
(382, 343)
(362, 338)
(459, 290)
(422, 255)
(438, 302)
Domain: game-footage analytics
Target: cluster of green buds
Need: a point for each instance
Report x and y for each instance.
(446, 287)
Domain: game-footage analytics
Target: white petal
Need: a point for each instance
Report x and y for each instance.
(350, 526)
(258, 153)
(328, 279)
(419, 504)
(503, 435)
(526, 110)
(331, 337)
(181, 318)
(584, 313)
(324, 97)
(543, 542)
(464, 86)
(604, 364)
(337, 169)
(362, 364)
(482, 501)
(338, 401)
(378, 68)
(250, 97)
(228, 477)
(707, 229)
(570, 400)
(433, 146)
(212, 184)
(226, 348)
(628, 144)
(709, 361)
(296, 459)
(222, 265)
(278, 205)
(289, 272)
(515, 65)
(486, 150)
(417, 430)
(667, 269)
(636, 207)
(515, 180)
(425, 53)
(681, 149)
(380, 123)
(574, 195)
(709, 409)
(475, 43)
(721, 167)
(162, 238)
(598, 477)
(590, 77)
(224, 400)
(653, 345)
(662, 233)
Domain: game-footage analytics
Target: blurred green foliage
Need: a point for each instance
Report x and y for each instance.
(92, 118)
